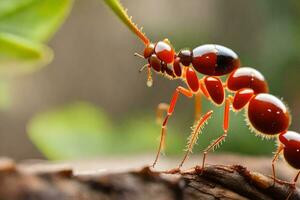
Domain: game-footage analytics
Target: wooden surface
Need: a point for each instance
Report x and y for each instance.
(91, 180)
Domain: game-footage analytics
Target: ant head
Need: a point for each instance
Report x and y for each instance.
(162, 49)
(159, 56)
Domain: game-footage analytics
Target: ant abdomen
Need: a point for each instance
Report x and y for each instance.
(214, 60)
(247, 77)
(268, 115)
(291, 147)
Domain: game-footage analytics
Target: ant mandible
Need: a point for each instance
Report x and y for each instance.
(248, 90)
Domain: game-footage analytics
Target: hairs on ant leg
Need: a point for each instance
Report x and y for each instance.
(266, 114)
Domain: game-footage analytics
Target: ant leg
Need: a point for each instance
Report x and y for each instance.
(162, 107)
(225, 129)
(159, 114)
(179, 90)
(149, 77)
(296, 178)
(198, 106)
(194, 136)
(293, 185)
(279, 150)
(139, 55)
(203, 89)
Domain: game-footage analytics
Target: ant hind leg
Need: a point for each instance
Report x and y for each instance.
(276, 155)
(293, 185)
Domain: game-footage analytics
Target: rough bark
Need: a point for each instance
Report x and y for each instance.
(215, 182)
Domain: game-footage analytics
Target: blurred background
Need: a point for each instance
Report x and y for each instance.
(90, 101)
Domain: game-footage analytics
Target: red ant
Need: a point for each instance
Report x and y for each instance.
(266, 115)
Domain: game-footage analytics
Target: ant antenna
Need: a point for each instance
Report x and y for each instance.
(149, 76)
(143, 67)
(138, 55)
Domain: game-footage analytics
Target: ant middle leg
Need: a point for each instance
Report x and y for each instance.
(194, 136)
(179, 90)
(219, 140)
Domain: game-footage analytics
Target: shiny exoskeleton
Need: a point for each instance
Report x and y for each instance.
(267, 115)
(245, 89)
(212, 60)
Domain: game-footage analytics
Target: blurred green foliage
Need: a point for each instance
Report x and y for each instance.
(71, 131)
(24, 27)
(82, 130)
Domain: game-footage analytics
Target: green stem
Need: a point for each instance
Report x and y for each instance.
(121, 12)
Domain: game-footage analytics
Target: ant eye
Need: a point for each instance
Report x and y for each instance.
(164, 52)
(149, 50)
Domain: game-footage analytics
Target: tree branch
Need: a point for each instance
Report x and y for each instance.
(215, 182)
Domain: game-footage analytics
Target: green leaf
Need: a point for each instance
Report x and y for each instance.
(24, 26)
(19, 56)
(78, 130)
(35, 20)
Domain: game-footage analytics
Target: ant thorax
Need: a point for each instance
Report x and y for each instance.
(208, 59)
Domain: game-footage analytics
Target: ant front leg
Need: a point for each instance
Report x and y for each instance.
(279, 150)
(179, 90)
(225, 130)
